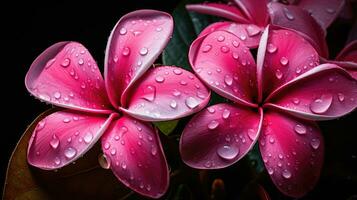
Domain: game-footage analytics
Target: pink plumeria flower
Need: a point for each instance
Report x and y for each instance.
(347, 58)
(116, 110)
(250, 17)
(275, 101)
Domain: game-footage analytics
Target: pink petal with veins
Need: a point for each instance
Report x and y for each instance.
(66, 75)
(282, 57)
(292, 150)
(166, 93)
(295, 18)
(325, 92)
(134, 44)
(63, 137)
(219, 9)
(225, 65)
(214, 138)
(248, 34)
(134, 153)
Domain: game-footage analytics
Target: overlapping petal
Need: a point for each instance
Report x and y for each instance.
(166, 93)
(347, 58)
(282, 56)
(214, 138)
(66, 75)
(134, 44)
(134, 153)
(225, 65)
(325, 92)
(255, 10)
(248, 34)
(219, 9)
(64, 136)
(295, 18)
(292, 150)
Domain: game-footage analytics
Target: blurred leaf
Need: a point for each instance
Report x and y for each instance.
(83, 180)
(255, 159)
(187, 27)
(166, 127)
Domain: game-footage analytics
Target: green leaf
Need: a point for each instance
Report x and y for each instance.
(166, 127)
(255, 159)
(83, 180)
(187, 27)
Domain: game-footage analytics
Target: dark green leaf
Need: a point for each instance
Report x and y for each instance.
(167, 127)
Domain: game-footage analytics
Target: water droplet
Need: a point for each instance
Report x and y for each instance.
(284, 61)
(300, 129)
(226, 114)
(88, 137)
(278, 74)
(57, 161)
(206, 48)
(176, 93)
(252, 30)
(286, 174)
(271, 140)
(136, 33)
(251, 134)
(227, 152)
(113, 152)
(177, 71)
(57, 95)
(159, 79)
(182, 82)
(296, 101)
(173, 104)
(50, 63)
(80, 61)
(315, 143)
(126, 51)
(70, 152)
(191, 102)
(143, 51)
(220, 38)
(54, 142)
(270, 171)
(106, 145)
(341, 97)
(149, 93)
(213, 125)
(228, 80)
(211, 110)
(66, 62)
(66, 120)
(225, 49)
(330, 10)
(243, 37)
(104, 162)
(208, 164)
(235, 43)
(322, 104)
(123, 31)
(271, 48)
(153, 150)
(288, 14)
(158, 29)
(235, 55)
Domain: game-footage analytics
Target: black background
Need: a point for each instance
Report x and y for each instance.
(29, 29)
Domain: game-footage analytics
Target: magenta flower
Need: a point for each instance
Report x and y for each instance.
(250, 17)
(275, 101)
(114, 109)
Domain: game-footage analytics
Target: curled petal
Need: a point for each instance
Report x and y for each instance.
(66, 75)
(295, 18)
(225, 65)
(219, 9)
(63, 137)
(133, 151)
(324, 12)
(292, 150)
(166, 93)
(325, 92)
(213, 138)
(255, 10)
(347, 58)
(248, 34)
(283, 56)
(134, 44)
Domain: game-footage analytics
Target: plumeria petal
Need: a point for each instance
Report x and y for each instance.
(166, 93)
(255, 10)
(213, 138)
(66, 75)
(248, 34)
(282, 57)
(295, 18)
(292, 150)
(133, 151)
(225, 65)
(134, 44)
(324, 12)
(347, 58)
(63, 137)
(325, 92)
(219, 9)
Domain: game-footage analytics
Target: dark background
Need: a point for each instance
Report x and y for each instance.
(29, 29)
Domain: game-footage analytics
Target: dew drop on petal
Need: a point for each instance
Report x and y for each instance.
(278, 74)
(66, 62)
(70, 152)
(191, 102)
(284, 61)
(206, 48)
(300, 129)
(143, 51)
(226, 113)
(315, 143)
(88, 137)
(212, 125)
(286, 174)
(173, 104)
(227, 152)
(251, 134)
(149, 93)
(54, 143)
(159, 79)
(341, 97)
(322, 104)
(123, 31)
(126, 51)
(271, 48)
(228, 80)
